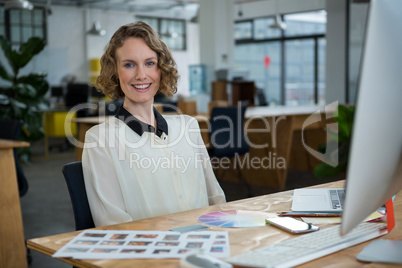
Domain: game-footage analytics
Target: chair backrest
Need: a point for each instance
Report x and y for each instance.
(227, 131)
(76, 187)
(11, 129)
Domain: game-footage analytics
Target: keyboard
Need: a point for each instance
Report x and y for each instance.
(337, 198)
(307, 247)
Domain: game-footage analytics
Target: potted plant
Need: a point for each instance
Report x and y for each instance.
(24, 96)
(344, 118)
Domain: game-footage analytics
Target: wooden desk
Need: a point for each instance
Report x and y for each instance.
(279, 133)
(276, 136)
(241, 239)
(12, 240)
(276, 130)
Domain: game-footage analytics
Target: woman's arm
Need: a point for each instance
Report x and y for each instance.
(102, 185)
(214, 190)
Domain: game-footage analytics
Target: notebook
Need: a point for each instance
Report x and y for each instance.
(318, 200)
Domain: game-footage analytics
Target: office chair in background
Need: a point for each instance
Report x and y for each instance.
(76, 187)
(227, 136)
(10, 129)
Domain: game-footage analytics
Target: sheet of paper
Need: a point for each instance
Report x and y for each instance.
(322, 220)
(121, 244)
(375, 216)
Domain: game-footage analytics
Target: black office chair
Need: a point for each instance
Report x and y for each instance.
(262, 100)
(10, 129)
(76, 187)
(227, 136)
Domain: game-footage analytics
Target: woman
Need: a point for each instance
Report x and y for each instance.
(141, 164)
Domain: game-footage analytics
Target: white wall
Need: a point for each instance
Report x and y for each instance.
(336, 51)
(216, 36)
(358, 20)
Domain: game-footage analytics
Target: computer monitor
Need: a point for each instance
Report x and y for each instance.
(374, 172)
(56, 91)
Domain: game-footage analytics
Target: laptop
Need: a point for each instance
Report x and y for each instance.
(318, 200)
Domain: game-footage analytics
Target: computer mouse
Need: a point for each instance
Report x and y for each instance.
(204, 261)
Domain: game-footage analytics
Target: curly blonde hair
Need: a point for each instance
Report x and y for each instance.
(108, 81)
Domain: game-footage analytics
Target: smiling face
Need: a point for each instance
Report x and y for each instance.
(138, 73)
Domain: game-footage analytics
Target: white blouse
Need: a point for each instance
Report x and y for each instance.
(130, 176)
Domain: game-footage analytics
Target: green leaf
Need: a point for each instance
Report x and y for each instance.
(7, 51)
(4, 99)
(322, 148)
(343, 152)
(324, 170)
(25, 98)
(4, 74)
(42, 105)
(37, 81)
(18, 108)
(29, 49)
(344, 117)
(33, 125)
(25, 91)
(25, 155)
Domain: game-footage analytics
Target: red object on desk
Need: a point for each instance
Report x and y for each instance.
(390, 215)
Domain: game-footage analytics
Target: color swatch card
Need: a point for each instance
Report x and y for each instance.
(234, 218)
(122, 244)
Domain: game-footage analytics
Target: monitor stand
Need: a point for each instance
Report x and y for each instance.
(384, 250)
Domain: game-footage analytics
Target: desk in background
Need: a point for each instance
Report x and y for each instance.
(12, 240)
(283, 139)
(240, 90)
(241, 239)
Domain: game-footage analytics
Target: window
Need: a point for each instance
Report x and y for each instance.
(243, 30)
(20, 25)
(308, 23)
(289, 64)
(263, 31)
(299, 71)
(2, 21)
(171, 31)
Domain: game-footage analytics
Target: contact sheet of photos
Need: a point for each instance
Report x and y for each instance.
(120, 244)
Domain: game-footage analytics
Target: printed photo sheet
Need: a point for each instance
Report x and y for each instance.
(122, 244)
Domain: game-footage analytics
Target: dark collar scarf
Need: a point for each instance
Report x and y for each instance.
(140, 127)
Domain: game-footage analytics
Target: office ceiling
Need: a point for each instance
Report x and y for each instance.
(177, 8)
(123, 5)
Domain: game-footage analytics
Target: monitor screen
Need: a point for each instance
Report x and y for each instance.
(56, 91)
(77, 93)
(374, 170)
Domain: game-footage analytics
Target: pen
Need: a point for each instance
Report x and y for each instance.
(309, 214)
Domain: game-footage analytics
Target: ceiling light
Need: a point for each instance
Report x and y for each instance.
(240, 13)
(18, 4)
(278, 23)
(96, 29)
